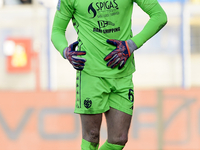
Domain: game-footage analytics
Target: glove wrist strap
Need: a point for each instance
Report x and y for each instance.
(64, 52)
(129, 53)
(132, 46)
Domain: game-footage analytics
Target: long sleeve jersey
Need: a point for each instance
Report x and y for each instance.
(95, 21)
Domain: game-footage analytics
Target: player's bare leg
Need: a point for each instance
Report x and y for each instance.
(91, 127)
(118, 124)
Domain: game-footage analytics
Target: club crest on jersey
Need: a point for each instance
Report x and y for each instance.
(87, 103)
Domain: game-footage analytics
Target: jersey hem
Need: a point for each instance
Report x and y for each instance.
(109, 76)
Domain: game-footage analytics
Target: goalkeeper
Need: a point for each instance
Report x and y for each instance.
(104, 61)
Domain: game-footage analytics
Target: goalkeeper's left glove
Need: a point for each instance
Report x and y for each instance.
(119, 56)
(72, 55)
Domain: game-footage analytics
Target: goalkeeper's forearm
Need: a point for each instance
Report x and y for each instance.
(58, 33)
(157, 21)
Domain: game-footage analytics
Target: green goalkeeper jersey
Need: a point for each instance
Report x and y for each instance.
(95, 21)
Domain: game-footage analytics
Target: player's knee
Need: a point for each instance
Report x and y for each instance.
(93, 135)
(120, 140)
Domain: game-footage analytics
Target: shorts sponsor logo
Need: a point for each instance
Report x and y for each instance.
(87, 103)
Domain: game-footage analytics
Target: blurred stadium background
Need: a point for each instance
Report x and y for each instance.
(37, 86)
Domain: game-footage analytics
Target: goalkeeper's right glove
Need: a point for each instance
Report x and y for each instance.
(70, 54)
(121, 53)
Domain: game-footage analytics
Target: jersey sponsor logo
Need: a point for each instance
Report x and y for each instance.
(106, 30)
(91, 9)
(106, 5)
(103, 23)
(87, 103)
(105, 9)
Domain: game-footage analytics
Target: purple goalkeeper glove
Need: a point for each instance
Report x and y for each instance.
(119, 56)
(77, 62)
